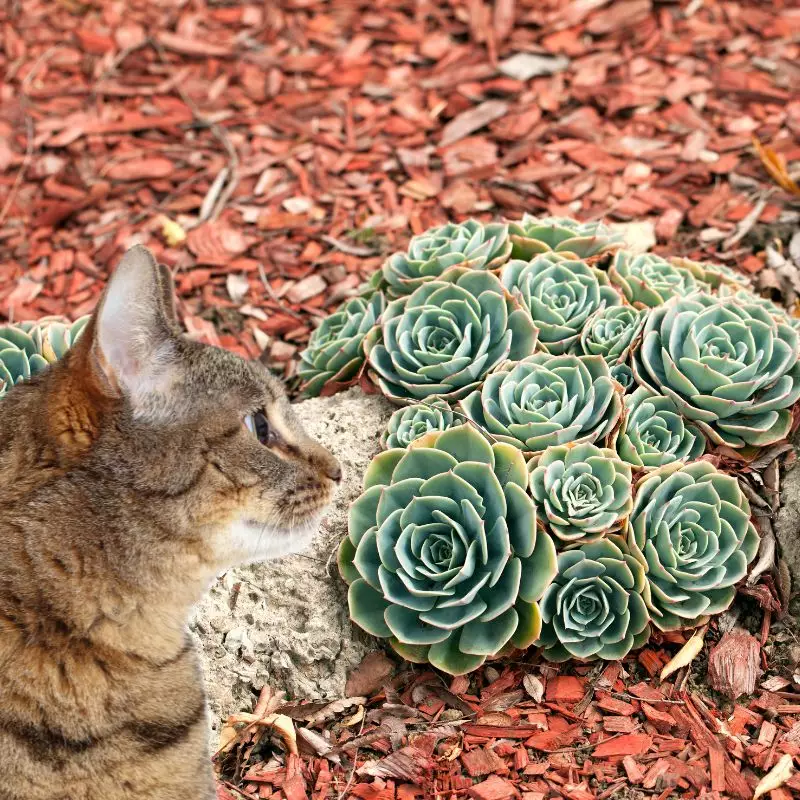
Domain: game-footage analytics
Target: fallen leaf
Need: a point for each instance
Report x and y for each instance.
(775, 165)
(685, 655)
(238, 286)
(172, 232)
(534, 687)
(524, 66)
(776, 777)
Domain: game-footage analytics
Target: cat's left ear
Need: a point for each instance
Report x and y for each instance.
(133, 339)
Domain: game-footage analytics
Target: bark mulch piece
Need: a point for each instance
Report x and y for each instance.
(529, 732)
(291, 145)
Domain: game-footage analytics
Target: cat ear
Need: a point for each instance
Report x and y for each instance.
(134, 341)
(168, 294)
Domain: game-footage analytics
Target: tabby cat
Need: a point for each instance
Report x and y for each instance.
(131, 473)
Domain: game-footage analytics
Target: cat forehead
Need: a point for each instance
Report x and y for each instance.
(211, 371)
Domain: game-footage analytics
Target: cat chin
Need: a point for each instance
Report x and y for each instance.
(248, 541)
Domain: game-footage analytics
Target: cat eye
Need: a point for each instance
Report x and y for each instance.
(258, 424)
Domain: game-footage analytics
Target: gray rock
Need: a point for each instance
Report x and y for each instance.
(285, 623)
(787, 522)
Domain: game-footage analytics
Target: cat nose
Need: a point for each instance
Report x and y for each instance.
(325, 462)
(334, 471)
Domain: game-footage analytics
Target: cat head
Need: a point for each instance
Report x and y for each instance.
(202, 439)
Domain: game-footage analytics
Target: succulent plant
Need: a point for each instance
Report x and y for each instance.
(595, 606)
(28, 347)
(747, 297)
(560, 293)
(408, 424)
(546, 400)
(531, 236)
(647, 280)
(443, 555)
(335, 355)
(444, 338)
(716, 275)
(375, 284)
(611, 331)
(690, 529)
(653, 433)
(731, 367)
(583, 491)
(467, 244)
(623, 375)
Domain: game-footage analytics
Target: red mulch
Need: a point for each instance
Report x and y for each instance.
(300, 141)
(531, 732)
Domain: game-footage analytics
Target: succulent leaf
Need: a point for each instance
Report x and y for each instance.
(582, 491)
(334, 356)
(469, 244)
(532, 236)
(731, 367)
(690, 529)
(443, 555)
(444, 338)
(647, 280)
(595, 607)
(560, 293)
(546, 400)
(653, 432)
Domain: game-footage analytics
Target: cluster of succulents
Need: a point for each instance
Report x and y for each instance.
(334, 357)
(543, 480)
(27, 348)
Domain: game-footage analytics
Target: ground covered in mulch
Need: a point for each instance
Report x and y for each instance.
(530, 731)
(273, 153)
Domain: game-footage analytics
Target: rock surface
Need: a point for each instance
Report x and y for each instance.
(285, 622)
(787, 522)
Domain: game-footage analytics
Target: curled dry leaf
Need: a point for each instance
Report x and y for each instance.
(776, 777)
(775, 165)
(282, 724)
(333, 709)
(685, 655)
(172, 232)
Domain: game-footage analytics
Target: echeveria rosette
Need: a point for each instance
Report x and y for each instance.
(334, 356)
(443, 555)
(546, 400)
(653, 432)
(715, 275)
(444, 338)
(532, 236)
(595, 606)
(747, 297)
(469, 244)
(560, 293)
(728, 366)
(611, 331)
(647, 280)
(690, 529)
(27, 348)
(623, 375)
(583, 492)
(410, 423)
